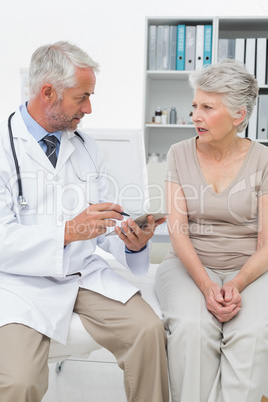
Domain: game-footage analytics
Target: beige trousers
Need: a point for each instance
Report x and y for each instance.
(23, 364)
(210, 361)
(131, 331)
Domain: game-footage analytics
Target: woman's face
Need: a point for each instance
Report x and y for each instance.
(212, 120)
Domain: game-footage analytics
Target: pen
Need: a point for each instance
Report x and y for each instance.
(121, 213)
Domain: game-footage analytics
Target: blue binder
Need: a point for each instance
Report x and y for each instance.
(207, 44)
(180, 65)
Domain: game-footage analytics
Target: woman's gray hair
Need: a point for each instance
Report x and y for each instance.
(229, 78)
(56, 64)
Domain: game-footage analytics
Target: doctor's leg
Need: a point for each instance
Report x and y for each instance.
(136, 337)
(23, 364)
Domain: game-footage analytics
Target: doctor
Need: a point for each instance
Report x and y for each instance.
(48, 268)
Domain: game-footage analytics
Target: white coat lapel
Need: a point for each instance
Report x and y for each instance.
(34, 150)
(66, 149)
(30, 145)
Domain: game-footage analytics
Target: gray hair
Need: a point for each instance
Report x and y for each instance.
(229, 78)
(56, 64)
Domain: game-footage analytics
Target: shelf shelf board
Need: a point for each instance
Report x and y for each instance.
(155, 125)
(168, 74)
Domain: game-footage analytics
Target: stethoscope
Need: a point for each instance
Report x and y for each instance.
(22, 202)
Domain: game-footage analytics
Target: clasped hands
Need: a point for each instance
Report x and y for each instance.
(95, 219)
(224, 303)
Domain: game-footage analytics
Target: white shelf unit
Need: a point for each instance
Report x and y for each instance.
(171, 89)
(168, 89)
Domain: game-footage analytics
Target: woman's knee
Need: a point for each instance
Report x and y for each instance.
(193, 326)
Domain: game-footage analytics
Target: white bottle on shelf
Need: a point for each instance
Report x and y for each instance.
(164, 116)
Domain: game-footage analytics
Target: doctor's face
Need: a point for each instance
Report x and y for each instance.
(66, 112)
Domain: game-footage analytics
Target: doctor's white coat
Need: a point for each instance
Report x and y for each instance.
(36, 288)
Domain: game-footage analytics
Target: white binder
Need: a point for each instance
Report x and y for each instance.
(222, 49)
(152, 47)
(252, 125)
(250, 55)
(159, 46)
(262, 117)
(240, 50)
(190, 48)
(172, 47)
(261, 57)
(165, 62)
(199, 54)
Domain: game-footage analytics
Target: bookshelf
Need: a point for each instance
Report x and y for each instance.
(170, 88)
(164, 88)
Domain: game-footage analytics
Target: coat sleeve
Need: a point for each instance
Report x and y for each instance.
(138, 263)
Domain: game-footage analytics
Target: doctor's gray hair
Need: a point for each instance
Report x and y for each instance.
(56, 64)
(229, 78)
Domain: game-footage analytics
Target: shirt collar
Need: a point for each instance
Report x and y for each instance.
(33, 127)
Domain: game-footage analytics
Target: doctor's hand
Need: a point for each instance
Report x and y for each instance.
(133, 236)
(92, 222)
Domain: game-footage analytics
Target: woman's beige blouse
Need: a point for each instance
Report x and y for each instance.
(223, 226)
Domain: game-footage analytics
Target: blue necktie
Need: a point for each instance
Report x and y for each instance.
(51, 141)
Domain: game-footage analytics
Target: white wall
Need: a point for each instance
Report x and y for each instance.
(111, 31)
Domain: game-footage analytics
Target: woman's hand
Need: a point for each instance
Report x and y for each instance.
(224, 303)
(231, 294)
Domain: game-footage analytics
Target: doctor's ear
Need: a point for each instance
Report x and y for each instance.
(48, 93)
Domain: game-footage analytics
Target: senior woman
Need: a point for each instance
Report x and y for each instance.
(213, 284)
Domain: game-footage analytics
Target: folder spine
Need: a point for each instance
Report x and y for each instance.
(152, 47)
(262, 117)
(172, 47)
(207, 44)
(240, 50)
(199, 56)
(261, 61)
(180, 65)
(190, 47)
(159, 47)
(250, 55)
(165, 61)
